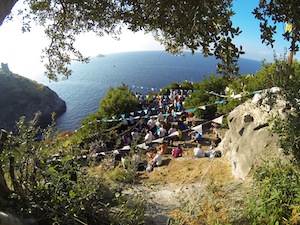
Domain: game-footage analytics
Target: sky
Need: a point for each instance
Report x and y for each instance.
(22, 51)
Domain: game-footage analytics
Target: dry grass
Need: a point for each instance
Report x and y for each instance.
(187, 170)
(203, 187)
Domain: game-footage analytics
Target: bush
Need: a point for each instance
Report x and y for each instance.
(276, 195)
(50, 184)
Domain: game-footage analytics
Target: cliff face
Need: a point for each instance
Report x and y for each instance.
(23, 97)
(249, 140)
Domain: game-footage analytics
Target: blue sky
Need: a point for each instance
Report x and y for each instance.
(250, 37)
(22, 51)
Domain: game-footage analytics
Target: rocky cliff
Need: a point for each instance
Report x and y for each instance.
(249, 139)
(23, 97)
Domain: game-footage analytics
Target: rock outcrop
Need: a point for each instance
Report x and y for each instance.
(23, 97)
(249, 140)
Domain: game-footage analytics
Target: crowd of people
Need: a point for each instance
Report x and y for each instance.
(162, 122)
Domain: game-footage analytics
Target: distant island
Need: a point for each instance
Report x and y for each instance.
(21, 96)
(100, 56)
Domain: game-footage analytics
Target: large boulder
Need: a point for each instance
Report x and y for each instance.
(249, 139)
(23, 97)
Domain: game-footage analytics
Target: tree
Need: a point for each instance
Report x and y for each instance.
(6, 6)
(193, 25)
(279, 11)
(117, 101)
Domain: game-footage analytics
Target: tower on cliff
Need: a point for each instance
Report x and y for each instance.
(4, 67)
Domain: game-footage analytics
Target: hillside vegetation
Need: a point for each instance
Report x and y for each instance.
(23, 97)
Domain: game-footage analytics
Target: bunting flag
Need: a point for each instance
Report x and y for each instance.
(176, 114)
(143, 146)
(237, 96)
(173, 134)
(218, 120)
(159, 140)
(190, 110)
(220, 102)
(198, 129)
(126, 147)
(219, 95)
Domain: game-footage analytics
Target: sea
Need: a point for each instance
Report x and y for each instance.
(143, 71)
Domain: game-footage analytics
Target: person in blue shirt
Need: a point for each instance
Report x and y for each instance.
(196, 136)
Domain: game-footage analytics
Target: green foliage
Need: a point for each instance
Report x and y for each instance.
(275, 197)
(201, 94)
(178, 25)
(229, 106)
(288, 129)
(116, 102)
(19, 95)
(271, 12)
(50, 183)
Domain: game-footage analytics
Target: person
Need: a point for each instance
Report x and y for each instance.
(126, 139)
(196, 136)
(117, 157)
(131, 119)
(151, 153)
(177, 152)
(148, 137)
(161, 131)
(172, 137)
(218, 140)
(162, 149)
(198, 152)
(156, 161)
(151, 124)
(181, 125)
(134, 135)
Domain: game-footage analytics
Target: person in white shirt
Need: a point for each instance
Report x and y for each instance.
(151, 123)
(198, 152)
(162, 131)
(156, 161)
(148, 137)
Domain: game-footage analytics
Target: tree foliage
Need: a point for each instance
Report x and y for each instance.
(272, 12)
(47, 180)
(116, 102)
(201, 95)
(178, 25)
(275, 197)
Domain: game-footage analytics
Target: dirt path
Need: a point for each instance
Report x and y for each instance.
(179, 182)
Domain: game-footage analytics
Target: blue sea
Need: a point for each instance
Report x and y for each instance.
(141, 71)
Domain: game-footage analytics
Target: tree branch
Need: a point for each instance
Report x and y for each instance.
(5, 8)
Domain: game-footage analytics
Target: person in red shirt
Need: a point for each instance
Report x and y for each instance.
(177, 152)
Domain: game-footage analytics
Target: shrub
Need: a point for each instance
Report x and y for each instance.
(276, 194)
